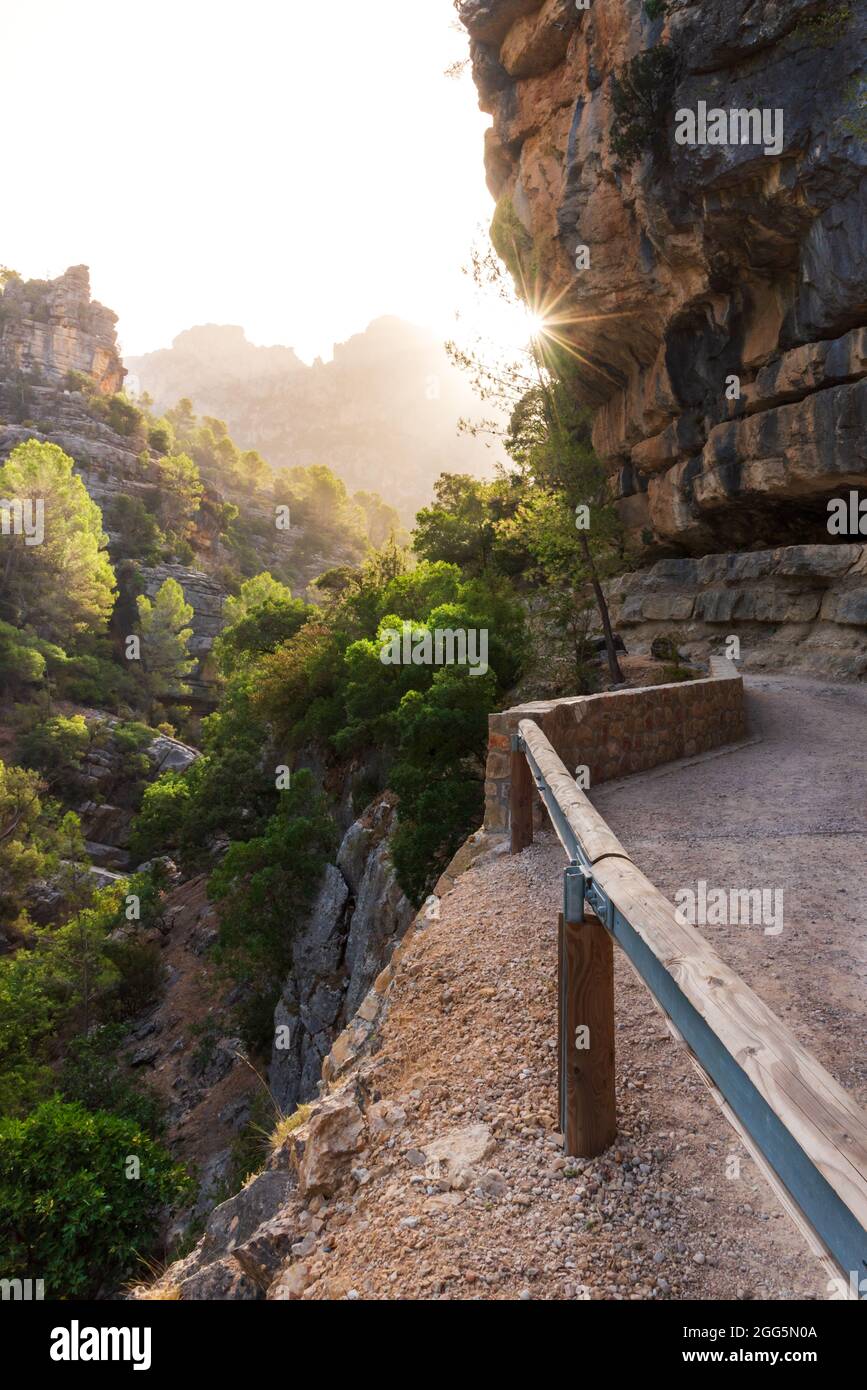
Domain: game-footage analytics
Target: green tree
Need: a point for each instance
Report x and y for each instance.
(139, 535)
(25, 846)
(266, 886)
(255, 592)
(161, 436)
(69, 1211)
(381, 520)
(569, 521)
(459, 526)
(164, 632)
(64, 585)
(181, 493)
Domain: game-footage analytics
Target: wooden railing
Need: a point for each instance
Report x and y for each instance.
(807, 1135)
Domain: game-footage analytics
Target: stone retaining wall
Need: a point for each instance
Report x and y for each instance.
(620, 732)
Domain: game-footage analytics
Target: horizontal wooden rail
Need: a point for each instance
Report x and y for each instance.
(810, 1134)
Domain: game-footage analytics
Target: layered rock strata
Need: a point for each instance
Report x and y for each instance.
(717, 317)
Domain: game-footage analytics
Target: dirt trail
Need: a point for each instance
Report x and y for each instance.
(469, 1042)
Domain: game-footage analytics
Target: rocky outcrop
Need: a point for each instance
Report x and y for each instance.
(357, 920)
(802, 608)
(704, 262)
(51, 327)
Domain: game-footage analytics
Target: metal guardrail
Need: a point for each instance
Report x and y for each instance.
(808, 1136)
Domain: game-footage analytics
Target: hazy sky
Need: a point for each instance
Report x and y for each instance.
(296, 166)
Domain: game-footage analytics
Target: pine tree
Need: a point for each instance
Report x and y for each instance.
(60, 582)
(164, 636)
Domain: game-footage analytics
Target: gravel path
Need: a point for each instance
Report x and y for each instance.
(789, 812)
(467, 1061)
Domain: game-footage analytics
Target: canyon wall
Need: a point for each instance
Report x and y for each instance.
(52, 327)
(703, 262)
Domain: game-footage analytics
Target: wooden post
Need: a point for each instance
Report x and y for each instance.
(520, 800)
(588, 1112)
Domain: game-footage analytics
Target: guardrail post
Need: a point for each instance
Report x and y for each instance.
(588, 1112)
(520, 799)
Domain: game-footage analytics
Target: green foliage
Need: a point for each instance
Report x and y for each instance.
(181, 494)
(123, 416)
(228, 790)
(381, 520)
(824, 30)
(22, 663)
(69, 1214)
(65, 980)
(259, 632)
(642, 92)
(90, 1077)
(140, 535)
(513, 243)
(26, 839)
(330, 683)
(65, 585)
(856, 124)
(266, 886)
(656, 9)
(439, 774)
(165, 636)
(459, 526)
(161, 436)
(55, 748)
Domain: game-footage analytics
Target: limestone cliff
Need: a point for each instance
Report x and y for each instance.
(52, 327)
(359, 917)
(706, 261)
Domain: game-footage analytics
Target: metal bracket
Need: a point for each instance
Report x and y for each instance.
(575, 884)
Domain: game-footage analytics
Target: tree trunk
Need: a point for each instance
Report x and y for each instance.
(601, 603)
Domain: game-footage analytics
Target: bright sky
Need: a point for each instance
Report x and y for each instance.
(295, 166)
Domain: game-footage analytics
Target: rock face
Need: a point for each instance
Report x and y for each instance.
(707, 262)
(359, 916)
(53, 327)
(802, 607)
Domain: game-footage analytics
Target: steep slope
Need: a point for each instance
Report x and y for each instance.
(674, 268)
(432, 1167)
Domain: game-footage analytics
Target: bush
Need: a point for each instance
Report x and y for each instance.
(69, 1214)
(124, 417)
(141, 976)
(642, 92)
(90, 1077)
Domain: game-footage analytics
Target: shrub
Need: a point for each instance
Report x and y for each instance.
(69, 1214)
(824, 30)
(642, 92)
(141, 976)
(124, 417)
(90, 1077)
